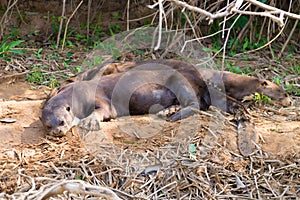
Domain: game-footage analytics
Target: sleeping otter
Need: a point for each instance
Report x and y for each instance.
(134, 92)
(118, 89)
(236, 85)
(148, 85)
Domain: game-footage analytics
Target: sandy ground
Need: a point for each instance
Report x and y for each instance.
(279, 134)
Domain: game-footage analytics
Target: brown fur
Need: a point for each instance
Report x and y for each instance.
(105, 98)
(236, 85)
(90, 97)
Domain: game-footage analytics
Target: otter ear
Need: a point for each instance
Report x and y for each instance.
(264, 83)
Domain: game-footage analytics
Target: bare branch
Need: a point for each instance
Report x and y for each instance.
(78, 187)
(270, 8)
(278, 20)
(234, 8)
(204, 12)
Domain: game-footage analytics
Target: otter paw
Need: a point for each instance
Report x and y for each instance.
(91, 123)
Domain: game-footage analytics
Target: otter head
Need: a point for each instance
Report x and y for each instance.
(274, 91)
(57, 119)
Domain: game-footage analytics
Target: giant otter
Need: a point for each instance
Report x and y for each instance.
(118, 89)
(93, 89)
(236, 85)
(133, 92)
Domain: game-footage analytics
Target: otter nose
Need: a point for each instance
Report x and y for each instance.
(57, 122)
(287, 102)
(57, 132)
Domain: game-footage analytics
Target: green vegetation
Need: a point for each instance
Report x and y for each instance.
(235, 69)
(292, 89)
(236, 43)
(192, 151)
(38, 53)
(261, 98)
(77, 37)
(7, 49)
(42, 78)
(90, 36)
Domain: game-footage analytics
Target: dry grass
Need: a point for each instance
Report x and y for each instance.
(158, 169)
(161, 169)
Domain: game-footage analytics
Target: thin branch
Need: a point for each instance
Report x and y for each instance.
(67, 24)
(247, 52)
(161, 10)
(61, 23)
(127, 14)
(88, 19)
(288, 39)
(203, 12)
(3, 19)
(278, 20)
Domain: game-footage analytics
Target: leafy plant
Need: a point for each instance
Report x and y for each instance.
(68, 60)
(192, 151)
(295, 69)
(291, 88)
(116, 15)
(235, 69)
(41, 78)
(277, 81)
(78, 69)
(38, 53)
(14, 33)
(261, 98)
(114, 28)
(8, 48)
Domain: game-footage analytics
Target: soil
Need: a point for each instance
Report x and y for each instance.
(30, 161)
(280, 134)
(127, 146)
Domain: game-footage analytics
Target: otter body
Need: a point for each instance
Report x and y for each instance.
(114, 95)
(235, 85)
(119, 89)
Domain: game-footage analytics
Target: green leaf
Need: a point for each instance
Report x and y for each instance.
(17, 51)
(192, 150)
(206, 49)
(246, 44)
(3, 45)
(14, 44)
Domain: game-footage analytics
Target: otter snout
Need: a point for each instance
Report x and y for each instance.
(58, 131)
(287, 101)
(56, 126)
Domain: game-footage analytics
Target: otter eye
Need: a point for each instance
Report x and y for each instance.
(68, 109)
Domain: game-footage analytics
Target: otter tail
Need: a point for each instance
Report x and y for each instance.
(247, 135)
